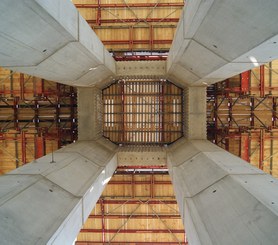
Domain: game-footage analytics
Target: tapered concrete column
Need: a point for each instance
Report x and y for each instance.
(217, 39)
(90, 113)
(51, 40)
(195, 109)
(46, 201)
(222, 199)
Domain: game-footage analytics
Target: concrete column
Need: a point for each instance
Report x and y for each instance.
(51, 40)
(90, 115)
(217, 39)
(195, 113)
(222, 199)
(48, 200)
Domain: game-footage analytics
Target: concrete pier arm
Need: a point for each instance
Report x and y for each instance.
(217, 39)
(222, 199)
(47, 202)
(51, 40)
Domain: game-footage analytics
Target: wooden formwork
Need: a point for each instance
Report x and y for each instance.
(242, 116)
(36, 117)
(132, 25)
(137, 206)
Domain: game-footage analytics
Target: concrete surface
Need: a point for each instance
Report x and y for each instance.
(89, 113)
(141, 156)
(52, 41)
(47, 202)
(217, 39)
(141, 69)
(195, 111)
(222, 199)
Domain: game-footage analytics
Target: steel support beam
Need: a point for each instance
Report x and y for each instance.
(135, 216)
(130, 231)
(132, 202)
(245, 82)
(125, 242)
(22, 86)
(140, 57)
(252, 112)
(15, 117)
(102, 220)
(261, 157)
(39, 146)
(245, 147)
(274, 111)
(98, 19)
(23, 148)
(134, 42)
(262, 81)
(147, 20)
(131, 5)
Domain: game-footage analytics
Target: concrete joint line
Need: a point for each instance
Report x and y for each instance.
(54, 184)
(207, 186)
(179, 164)
(12, 197)
(212, 51)
(248, 174)
(53, 54)
(86, 158)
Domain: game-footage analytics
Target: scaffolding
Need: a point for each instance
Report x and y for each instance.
(138, 206)
(36, 117)
(242, 116)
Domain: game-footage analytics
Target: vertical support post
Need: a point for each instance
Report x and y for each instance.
(12, 83)
(131, 38)
(274, 113)
(162, 111)
(252, 108)
(15, 108)
(271, 153)
(98, 20)
(58, 119)
(151, 37)
(245, 82)
(227, 86)
(16, 151)
(215, 115)
(244, 147)
(152, 185)
(270, 77)
(21, 84)
(42, 87)
(72, 119)
(38, 87)
(261, 160)
(133, 185)
(230, 107)
(23, 147)
(262, 81)
(39, 146)
(102, 219)
(227, 143)
(36, 116)
(123, 110)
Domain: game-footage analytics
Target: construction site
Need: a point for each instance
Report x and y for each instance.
(138, 122)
